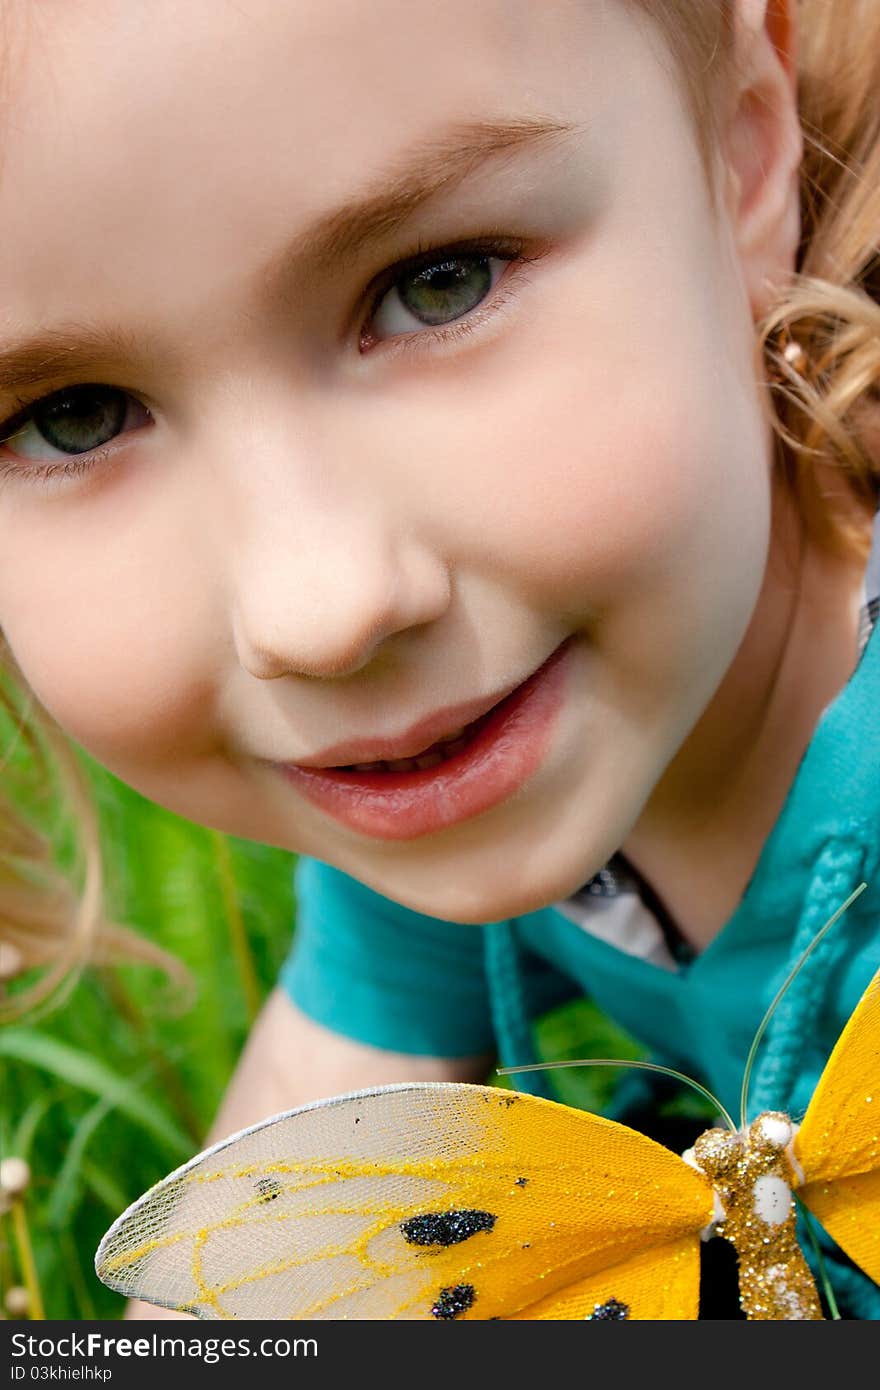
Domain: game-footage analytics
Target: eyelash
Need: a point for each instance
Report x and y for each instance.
(410, 344)
(36, 472)
(29, 471)
(491, 245)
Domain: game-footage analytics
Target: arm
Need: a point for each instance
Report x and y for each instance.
(290, 1060)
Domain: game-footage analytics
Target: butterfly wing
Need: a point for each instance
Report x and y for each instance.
(838, 1144)
(416, 1201)
(659, 1284)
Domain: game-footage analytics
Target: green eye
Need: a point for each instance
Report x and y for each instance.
(75, 420)
(435, 294)
(80, 418)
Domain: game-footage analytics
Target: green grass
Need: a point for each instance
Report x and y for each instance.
(106, 1094)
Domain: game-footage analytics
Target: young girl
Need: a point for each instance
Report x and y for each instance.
(444, 443)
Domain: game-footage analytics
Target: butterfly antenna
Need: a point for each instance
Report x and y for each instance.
(615, 1062)
(783, 989)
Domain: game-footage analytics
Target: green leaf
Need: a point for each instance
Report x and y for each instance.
(104, 1186)
(579, 1029)
(23, 1136)
(85, 1072)
(72, 1256)
(67, 1183)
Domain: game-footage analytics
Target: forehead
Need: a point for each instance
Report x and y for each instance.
(146, 133)
(107, 54)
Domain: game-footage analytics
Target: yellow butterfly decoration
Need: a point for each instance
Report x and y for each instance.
(445, 1201)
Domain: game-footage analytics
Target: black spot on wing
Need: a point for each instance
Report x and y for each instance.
(445, 1227)
(268, 1188)
(612, 1311)
(520, 1182)
(454, 1301)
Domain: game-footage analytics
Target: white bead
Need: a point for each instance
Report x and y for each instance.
(771, 1200)
(775, 1132)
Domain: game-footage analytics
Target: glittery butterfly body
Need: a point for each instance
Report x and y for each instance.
(443, 1201)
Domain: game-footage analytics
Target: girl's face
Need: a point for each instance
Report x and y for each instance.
(327, 490)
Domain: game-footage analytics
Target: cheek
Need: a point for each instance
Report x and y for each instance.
(593, 481)
(101, 635)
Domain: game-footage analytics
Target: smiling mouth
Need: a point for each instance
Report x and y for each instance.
(432, 756)
(472, 768)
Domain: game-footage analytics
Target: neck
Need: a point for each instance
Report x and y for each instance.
(701, 833)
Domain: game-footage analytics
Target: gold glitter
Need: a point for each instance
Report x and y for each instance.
(752, 1176)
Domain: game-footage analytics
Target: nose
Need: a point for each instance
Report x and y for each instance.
(322, 600)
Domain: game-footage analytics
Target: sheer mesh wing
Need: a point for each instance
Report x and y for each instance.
(421, 1201)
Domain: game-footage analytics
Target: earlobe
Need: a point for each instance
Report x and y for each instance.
(763, 146)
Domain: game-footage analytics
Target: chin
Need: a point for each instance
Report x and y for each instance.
(475, 891)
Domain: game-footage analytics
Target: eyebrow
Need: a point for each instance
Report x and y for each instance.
(435, 165)
(75, 347)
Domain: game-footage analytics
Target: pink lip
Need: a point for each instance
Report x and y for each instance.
(504, 752)
(415, 740)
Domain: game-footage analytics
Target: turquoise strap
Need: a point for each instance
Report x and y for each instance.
(510, 1013)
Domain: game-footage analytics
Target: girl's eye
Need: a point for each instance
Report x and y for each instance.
(75, 420)
(434, 293)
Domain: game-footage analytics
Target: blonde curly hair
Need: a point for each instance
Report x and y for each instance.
(821, 339)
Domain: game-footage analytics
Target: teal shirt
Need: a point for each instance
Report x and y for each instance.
(378, 972)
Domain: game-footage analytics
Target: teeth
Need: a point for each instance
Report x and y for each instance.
(443, 749)
(429, 760)
(456, 733)
(455, 747)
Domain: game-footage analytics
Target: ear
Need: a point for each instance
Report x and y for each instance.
(763, 146)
